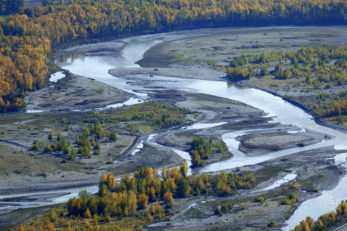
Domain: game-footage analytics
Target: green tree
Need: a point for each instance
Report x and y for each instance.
(112, 137)
(184, 169)
(183, 187)
(168, 199)
(50, 135)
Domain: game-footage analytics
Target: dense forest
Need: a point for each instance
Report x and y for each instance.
(26, 39)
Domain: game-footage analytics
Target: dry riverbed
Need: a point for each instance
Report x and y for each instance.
(75, 93)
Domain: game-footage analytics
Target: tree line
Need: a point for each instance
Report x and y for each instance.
(146, 197)
(326, 221)
(26, 39)
(124, 197)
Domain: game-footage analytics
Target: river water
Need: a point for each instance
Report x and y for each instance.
(97, 67)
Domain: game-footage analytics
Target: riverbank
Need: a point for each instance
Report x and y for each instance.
(74, 93)
(308, 108)
(214, 113)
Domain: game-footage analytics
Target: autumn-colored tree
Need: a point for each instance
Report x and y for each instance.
(95, 219)
(132, 203)
(50, 227)
(184, 168)
(168, 199)
(103, 179)
(341, 209)
(111, 181)
(87, 214)
(142, 202)
(171, 185)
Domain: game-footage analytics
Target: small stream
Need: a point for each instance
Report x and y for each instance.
(37, 199)
(97, 67)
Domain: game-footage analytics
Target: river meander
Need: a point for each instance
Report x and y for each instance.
(97, 67)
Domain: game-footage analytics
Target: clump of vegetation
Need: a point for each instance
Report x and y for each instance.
(112, 137)
(326, 221)
(148, 196)
(87, 132)
(311, 68)
(34, 147)
(272, 224)
(259, 199)
(222, 147)
(291, 199)
(224, 208)
(295, 186)
(153, 113)
(237, 74)
(87, 138)
(200, 150)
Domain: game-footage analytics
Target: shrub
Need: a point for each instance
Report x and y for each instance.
(258, 199)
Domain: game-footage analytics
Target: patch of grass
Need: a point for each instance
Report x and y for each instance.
(259, 199)
(272, 224)
(267, 172)
(291, 199)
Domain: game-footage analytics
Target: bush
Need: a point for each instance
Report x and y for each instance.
(291, 199)
(34, 147)
(48, 148)
(50, 136)
(272, 224)
(112, 137)
(258, 199)
(295, 186)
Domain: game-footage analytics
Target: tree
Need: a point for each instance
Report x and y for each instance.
(50, 135)
(142, 202)
(183, 187)
(113, 137)
(95, 219)
(341, 209)
(168, 199)
(50, 227)
(132, 203)
(184, 169)
(87, 213)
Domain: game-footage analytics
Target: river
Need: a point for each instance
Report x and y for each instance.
(97, 67)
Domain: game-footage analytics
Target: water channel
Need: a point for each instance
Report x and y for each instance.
(97, 67)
